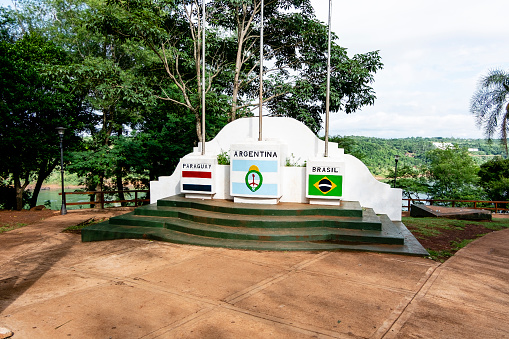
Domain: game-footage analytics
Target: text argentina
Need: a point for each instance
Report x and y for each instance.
(254, 154)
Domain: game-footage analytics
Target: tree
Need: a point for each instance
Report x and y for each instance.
(172, 31)
(349, 145)
(452, 174)
(494, 178)
(32, 105)
(490, 104)
(410, 180)
(295, 47)
(115, 77)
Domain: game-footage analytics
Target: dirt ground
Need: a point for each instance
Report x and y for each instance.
(441, 242)
(26, 217)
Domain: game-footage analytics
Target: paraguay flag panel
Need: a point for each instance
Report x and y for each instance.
(254, 173)
(197, 176)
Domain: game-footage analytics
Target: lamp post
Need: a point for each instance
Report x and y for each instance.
(396, 159)
(60, 131)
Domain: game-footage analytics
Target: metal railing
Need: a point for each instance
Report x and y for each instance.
(137, 201)
(475, 204)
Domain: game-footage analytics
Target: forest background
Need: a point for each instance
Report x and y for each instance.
(125, 78)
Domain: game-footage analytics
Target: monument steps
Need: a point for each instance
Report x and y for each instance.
(152, 215)
(161, 234)
(347, 208)
(314, 233)
(284, 227)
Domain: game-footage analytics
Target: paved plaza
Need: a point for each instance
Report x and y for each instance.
(54, 286)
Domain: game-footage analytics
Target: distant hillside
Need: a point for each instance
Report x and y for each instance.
(378, 154)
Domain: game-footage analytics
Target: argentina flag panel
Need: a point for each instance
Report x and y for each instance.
(255, 171)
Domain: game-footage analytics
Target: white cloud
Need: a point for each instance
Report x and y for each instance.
(434, 53)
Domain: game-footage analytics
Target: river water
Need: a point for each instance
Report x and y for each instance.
(51, 196)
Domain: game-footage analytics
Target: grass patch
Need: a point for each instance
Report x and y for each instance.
(435, 226)
(76, 229)
(443, 237)
(440, 255)
(9, 227)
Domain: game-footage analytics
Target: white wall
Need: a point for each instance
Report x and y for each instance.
(358, 183)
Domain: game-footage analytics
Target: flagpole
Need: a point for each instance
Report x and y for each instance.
(327, 95)
(260, 104)
(203, 83)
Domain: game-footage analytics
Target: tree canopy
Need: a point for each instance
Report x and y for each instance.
(32, 104)
(124, 77)
(452, 174)
(490, 104)
(494, 178)
(295, 48)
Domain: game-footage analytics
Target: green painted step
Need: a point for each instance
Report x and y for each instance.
(347, 208)
(105, 231)
(285, 234)
(315, 233)
(283, 227)
(155, 214)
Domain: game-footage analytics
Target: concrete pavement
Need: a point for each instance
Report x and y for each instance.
(54, 286)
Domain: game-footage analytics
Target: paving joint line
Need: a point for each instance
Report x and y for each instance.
(292, 324)
(253, 289)
(178, 323)
(429, 280)
(360, 282)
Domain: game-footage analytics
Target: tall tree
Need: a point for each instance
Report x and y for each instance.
(494, 178)
(112, 74)
(32, 105)
(295, 49)
(172, 30)
(490, 104)
(452, 174)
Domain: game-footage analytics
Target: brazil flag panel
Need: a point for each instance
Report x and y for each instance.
(325, 185)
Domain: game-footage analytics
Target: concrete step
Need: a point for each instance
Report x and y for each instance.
(287, 234)
(105, 231)
(155, 216)
(284, 227)
(346, 209)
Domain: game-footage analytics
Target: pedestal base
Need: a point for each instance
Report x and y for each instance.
(199, 196)
(270, 201)
(332, 202)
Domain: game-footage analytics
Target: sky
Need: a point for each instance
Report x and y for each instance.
(434, 53)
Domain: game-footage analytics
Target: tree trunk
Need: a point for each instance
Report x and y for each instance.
(19, 189)
(120, 186)
(44, 171)
(98, 189)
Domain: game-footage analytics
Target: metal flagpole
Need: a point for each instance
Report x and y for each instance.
(327, 95)
(203, 84)
(260, 105)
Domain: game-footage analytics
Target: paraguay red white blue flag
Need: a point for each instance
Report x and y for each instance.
(197, 176)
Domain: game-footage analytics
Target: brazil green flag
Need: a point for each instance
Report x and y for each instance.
(325, 185)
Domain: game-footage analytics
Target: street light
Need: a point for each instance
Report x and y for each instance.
(60, 131)
(396, 159)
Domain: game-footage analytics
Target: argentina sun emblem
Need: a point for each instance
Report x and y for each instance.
(254, 179)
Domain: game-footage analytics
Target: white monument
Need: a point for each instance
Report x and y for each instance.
(258, 171)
